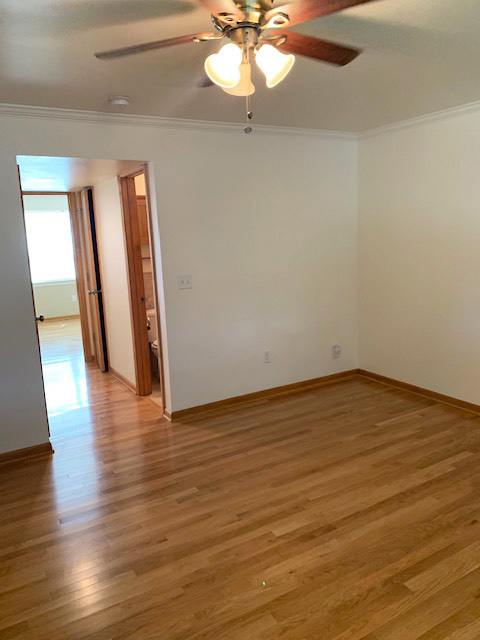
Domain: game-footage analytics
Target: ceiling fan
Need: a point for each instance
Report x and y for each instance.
(256, 30)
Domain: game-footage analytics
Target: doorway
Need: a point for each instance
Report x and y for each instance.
(100, 248)
(140, 257)
(54, 276)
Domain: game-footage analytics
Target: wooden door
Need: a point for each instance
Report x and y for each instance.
(133, 246)
(94, 295)
(80, 273)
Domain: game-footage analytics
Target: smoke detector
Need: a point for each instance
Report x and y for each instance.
(119, 101)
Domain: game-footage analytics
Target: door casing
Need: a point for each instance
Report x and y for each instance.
(138, 311)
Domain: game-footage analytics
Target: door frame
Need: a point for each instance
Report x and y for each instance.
(133, 255)
(136, 289)
(155, 282)
(79, 261)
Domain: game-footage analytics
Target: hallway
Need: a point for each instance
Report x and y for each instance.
(63, 364)
(79, 396)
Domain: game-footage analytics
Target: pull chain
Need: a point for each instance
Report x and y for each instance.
(249, 112)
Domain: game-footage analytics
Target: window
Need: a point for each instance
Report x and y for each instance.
(49, 240)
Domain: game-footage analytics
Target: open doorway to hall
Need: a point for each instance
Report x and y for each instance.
(88, 232)
(55, 296)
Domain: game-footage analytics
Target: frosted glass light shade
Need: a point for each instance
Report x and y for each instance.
(223, 67)
(245, 87)
(274, 64)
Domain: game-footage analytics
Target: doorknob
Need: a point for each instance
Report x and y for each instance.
(93, 292)
(39, 318)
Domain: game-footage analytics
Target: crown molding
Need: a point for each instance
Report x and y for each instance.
(464, 109)
(100, 117)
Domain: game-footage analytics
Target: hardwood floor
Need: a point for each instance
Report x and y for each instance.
(346, 512)
(63, 365)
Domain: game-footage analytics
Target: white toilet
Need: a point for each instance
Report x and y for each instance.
(152, 331)
(152, 325)
(153, 341)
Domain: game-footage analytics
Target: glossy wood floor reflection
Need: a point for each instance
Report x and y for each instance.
(63, 364)
(346, 512)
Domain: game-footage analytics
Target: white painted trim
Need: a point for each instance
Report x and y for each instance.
(100, 117)
(471, 107)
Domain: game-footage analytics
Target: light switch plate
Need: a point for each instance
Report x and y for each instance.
(184, 282)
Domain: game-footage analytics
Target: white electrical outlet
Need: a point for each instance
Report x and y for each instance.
(74, 297)
(336, 351)
(184, 282)
(267, 356)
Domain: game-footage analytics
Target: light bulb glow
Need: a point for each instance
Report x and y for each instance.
(273, 63)
(223, 67)
(245, 87)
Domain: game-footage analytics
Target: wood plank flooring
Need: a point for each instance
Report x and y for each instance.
(63, 364)
(348, 512)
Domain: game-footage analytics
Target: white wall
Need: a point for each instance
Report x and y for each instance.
(111, 242)
(268, 233)
(266, 226)
(419, 257)
(56, 299)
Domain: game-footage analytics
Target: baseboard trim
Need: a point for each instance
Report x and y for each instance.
(420, 391)
(266, 394)
(27, 453)
(122, 379)
(238, 402)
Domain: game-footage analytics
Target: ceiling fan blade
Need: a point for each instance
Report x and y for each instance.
(149, 46)
(317, 49)
(222, 8)
(305, 10)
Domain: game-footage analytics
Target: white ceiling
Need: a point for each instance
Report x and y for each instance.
(45, 173)
(420, 56)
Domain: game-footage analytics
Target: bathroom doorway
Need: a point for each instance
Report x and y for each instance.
(143, 284)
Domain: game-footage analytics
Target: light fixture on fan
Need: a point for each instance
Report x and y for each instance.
(245, 87)
(274, 64)
(230, 68)
(223, 68)
(258, 31)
